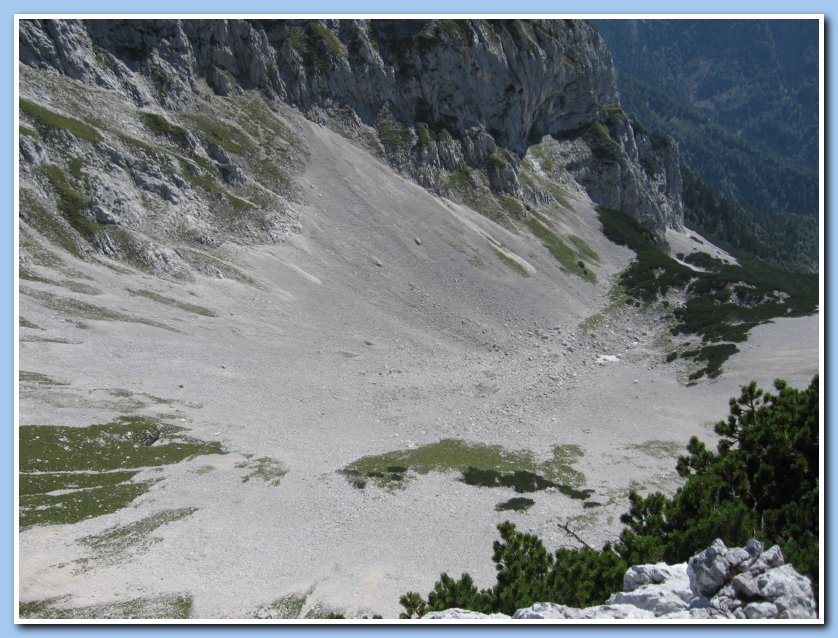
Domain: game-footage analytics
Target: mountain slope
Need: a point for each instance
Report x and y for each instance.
(259, 360)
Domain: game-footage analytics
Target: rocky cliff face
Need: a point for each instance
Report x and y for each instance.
(452, 103)
(719, 582)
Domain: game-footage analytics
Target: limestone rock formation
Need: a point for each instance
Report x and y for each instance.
(445, 97)
(719, 582)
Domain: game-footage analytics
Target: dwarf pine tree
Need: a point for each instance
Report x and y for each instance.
(762, 482)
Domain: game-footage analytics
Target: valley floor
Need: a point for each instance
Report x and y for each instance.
(357, 340)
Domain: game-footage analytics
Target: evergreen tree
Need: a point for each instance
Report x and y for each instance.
(762, 482)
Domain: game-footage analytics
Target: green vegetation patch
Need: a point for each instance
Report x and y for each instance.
(659, 449)
(160, 126)
(152, 607)
(394, 135)
(513, 206)
(424, 134)
(516, 504)
(603, 132)
(71, 201)
(112, 545)
(213, 266)
(617, 301)
(478, 464)
(44, 119)
(175, 303)
(266, 469)
(25, 323)
(563, 253)
(465, 188)
(511, 263)
(68, 474)
(38, 378)
(326, 37)
(73, 286)
(290, 606)
(584, 249)
(75, 308)
(221, 132)
(761, 482)
(721, 306)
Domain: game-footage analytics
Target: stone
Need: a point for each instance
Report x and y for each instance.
(102, 214)
(31, 151)
(760, 610)
(708, 570)
(698, 590)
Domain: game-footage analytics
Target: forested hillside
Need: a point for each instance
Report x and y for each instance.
(741, 99)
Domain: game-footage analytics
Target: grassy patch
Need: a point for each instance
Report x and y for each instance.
(215, 267)
(160, 126)
(602, 131)
(511, 263)
(478, 464)
(44, 119)
(424, 134)
(187, 307)
(516, 504)
(25, 323)
(151, 607)
(721, 306)
(72, 203)
(38, 378)
(470, 192)
(584, 249)
(328, 38)
(394, 135)
(112, 545)
(659, 449)
(73, 286)
(513, 206)
(75, 308)
(28, 132)
(265, 469)
(287, 607)
(68, 474)
(563, 253)
(617, 301)
(221, 132)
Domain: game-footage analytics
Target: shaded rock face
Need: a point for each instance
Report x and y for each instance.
(719, 582)
(487, 84)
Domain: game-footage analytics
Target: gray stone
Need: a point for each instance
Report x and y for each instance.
(31, 151)
(708, 570)
(760, 610)
(672, 592)
(102, 214)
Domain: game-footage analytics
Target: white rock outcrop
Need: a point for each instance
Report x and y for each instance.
(719, 582)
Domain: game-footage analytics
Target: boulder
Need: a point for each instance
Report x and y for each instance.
(719, 582)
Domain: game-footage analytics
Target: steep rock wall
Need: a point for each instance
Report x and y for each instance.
(450, 93)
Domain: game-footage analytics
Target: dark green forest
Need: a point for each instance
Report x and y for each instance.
(761, 482)
(741, 99)
(756, 78)
(785, 241)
